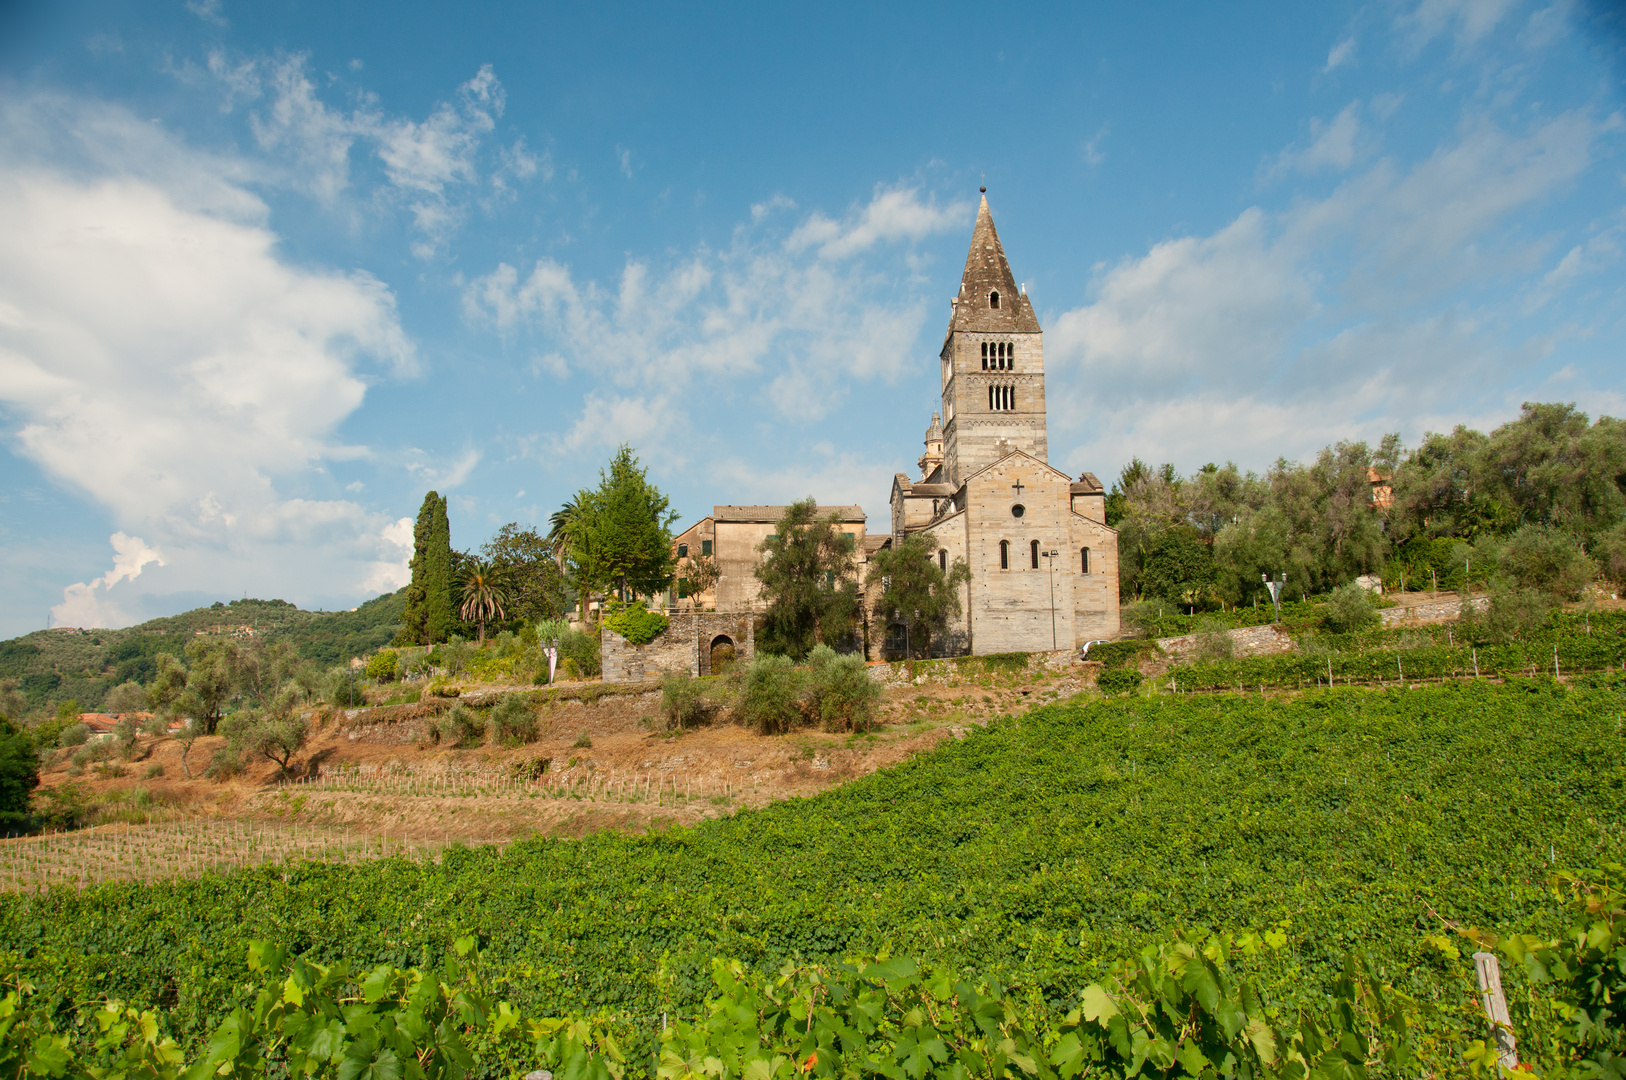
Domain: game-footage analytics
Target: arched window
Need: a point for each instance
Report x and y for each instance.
(942, 559)
(1034, 547)
(1084, 561)
(993, 299)
(1004, 554)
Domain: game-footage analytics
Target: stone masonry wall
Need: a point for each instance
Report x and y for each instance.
(685, 645)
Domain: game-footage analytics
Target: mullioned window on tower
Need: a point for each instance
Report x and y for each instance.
(999, 356)
(1002, 398)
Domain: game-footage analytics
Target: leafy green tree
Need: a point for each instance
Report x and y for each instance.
(1550, 560)
(620, 534)
(211, 680)
(429, 616)
(127, 697)
(917, 591)
(1179, 567)
(275, 732)
(809, 582)
(19, 774)
(524, 559)
(484, 595)
(1350, 609)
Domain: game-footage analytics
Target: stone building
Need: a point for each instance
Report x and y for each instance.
(1044, 562)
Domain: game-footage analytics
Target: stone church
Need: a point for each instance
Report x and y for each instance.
(1044, 562)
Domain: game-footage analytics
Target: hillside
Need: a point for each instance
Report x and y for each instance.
(1039, 848)
(58, 665)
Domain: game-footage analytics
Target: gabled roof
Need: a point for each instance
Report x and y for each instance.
(771, 514)
(1021, 454)
(1088, 484)
(987, 272)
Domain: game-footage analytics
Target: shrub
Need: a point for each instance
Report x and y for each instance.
(382, 666)
(64, 806)
(344, 688)
(156, 725)
(1350, 609)
(637, 624)
(683, 700)
(1610, 552)
(225, 764)
(73, 735)
(770, 699)
(1213, 643)
(581, 652)
(154, 771)
(1007, 662)
(583, 742)
(513, 721)
(840, 691)
(1548, 559)
(460, 727)
(1118, 681)
(1116, 654)
(1513, 613)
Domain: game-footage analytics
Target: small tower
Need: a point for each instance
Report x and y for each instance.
(992, 363)
(933, 457)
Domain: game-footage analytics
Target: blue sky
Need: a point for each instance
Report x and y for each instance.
(274, 270)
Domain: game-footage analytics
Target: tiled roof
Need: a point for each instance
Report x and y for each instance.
(774, 513)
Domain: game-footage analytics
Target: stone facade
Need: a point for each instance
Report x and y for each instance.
(1043, 561)
(685, 645)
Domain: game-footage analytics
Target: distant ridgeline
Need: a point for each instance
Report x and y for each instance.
(83, 665)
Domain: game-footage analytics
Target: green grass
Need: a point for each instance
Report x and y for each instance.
(1039, 849)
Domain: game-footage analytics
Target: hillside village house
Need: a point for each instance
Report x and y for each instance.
(1044, 562)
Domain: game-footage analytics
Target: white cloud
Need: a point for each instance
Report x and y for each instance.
(207, 10)
(1467, 21)
(762, 307)
(308, 143)
(86, 604)
(159, 357)
(1340, 54)
(1335, 318)
(892, 214)
(1091, 151)
(1332, 145)
(447, 475)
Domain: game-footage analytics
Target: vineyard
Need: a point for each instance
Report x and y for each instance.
(1039, 851)
(1571, 644)
(187, 848)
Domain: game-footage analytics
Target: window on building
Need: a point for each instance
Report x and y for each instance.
(1084, 561)
(1034, 547)
(993, 299)
(705, 547)
(1004, 554)
(683, 551)
(942, 559)
(1001, 398)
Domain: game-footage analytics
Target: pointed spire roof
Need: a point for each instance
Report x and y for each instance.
(988, 273)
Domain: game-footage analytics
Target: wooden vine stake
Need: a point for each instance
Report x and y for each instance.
(1489, 972)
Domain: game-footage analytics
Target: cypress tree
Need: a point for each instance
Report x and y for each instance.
(428, 616)
(442, 619)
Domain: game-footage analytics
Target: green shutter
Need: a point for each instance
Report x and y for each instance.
(705, 547)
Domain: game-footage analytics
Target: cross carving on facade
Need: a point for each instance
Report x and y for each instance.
(1018, 487)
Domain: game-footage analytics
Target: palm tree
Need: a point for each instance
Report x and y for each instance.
(566, 529)
(483, 595)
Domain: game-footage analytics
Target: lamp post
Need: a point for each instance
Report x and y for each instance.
(1275, 588)
(1051, 556)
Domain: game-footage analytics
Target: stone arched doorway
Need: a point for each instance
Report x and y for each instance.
(721, 654)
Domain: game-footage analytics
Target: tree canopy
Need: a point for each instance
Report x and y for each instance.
(429, 616)
(917, 589)
(810, 582)
(618, 536)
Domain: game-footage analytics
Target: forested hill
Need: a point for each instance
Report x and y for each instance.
(52, 666)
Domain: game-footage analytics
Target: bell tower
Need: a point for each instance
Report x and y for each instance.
(992, 363)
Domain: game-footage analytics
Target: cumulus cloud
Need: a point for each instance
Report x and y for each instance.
(892, 214)
(158, 356)
(1338, 317)
(86, 603)
(429, 166)
(1467, 22)
(767, 306)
